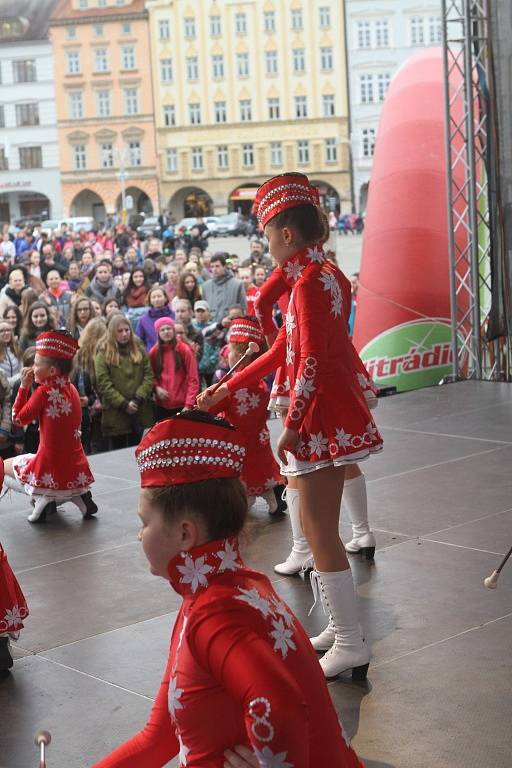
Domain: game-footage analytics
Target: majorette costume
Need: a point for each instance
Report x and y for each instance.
(13, 606)
(247, 411)
(241, 669)
(59, 471)
(327, 406)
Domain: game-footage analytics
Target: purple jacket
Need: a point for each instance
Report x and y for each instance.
(145, 329)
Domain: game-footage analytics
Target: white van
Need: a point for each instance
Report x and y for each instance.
(76, 223)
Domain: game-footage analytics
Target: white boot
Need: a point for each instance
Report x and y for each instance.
(42, 505)
(356, 501)
(11, 484)
(300, 558)
(349, 651)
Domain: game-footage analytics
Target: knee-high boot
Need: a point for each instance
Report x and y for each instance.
(356, 502)
(300, 558)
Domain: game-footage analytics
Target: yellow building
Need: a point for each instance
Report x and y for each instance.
(104, 107)
(243, 91)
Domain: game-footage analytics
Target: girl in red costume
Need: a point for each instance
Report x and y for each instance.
(276, 290)
(59, 471)
(13, 606)
(247, 410)
(328, 424)
(241, 670)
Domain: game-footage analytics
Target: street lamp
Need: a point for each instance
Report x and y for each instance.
(121, 175)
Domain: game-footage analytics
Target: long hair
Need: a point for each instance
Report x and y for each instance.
(159, 361)
(28, 329)
(19, 319)
(28, 297)
(131, 285)
(183, 293)
(110, 347)
(93, 333)
(73, 320)
(12, 345)
(156, 287)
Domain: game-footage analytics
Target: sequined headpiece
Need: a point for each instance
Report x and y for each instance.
(58, 344)
(282, 192)
(245, 329)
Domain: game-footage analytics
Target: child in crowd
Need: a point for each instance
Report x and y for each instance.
(210, 354)
(59, 471)
(175, 375)
(247, 411)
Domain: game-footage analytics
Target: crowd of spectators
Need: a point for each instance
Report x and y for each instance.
(152, 322)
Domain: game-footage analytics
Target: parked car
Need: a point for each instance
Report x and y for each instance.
(212, 222)
(76, 223)
(150, 227)
(232, 224)
(187, 223)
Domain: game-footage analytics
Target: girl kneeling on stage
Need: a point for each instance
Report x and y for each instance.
(241, 670)
(328, 424)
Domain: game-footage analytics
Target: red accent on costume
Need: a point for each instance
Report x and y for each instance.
(236, 649)
(327, 405)
(182, 384)
(288, 190)
(13, 606)
(250, 295)
(60, 468)
(275, 290)
(247, 410)
(177, 451)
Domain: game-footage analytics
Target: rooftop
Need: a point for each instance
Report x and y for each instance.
(25, 19)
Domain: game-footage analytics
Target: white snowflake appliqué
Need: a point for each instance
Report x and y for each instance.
(264, 436)
(53, 411)
(343, 439)
(12, 617)
(242, 409)
(304, 387)
(47, 480)
(254, 400)
(293, 270)
(269, 759)
(227, 557)
(330, 284)
(253, 598)
(184, 750)
(317, 444)
(194, 572)
(175, 695)
(283, 637)
(282, 610)
(241, 394)
(316, 255)
(290, 323)
(290, 354)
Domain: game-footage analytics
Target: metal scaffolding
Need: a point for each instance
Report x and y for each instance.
(468, 72)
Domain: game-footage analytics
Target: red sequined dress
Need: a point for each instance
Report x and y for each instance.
(327, 403)
(241, 670)
(60, 468)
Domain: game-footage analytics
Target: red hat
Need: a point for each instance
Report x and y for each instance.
(188, 448)
(163, 321)
(59, 344)
(282, 192)
(244, 330)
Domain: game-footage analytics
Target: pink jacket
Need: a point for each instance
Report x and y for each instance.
(181, 385)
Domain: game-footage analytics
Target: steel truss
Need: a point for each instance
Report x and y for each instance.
(468, 72)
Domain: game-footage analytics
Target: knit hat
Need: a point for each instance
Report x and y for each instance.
(163, 321)
(188, 448)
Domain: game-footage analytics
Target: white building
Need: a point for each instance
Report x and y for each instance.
(381, 35)
(29, 158)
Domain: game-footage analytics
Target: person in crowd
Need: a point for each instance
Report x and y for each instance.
(236, 647)
(257, 256)
(57, 296)
(158, 306)
(124, 382)
(189, 288)
(7, 248)
(87, 265)
(82, 382)
(10, 296)
(93, 334)
(102, 285)
(170, 285)
(82, 312)
(223, 290)
(151, 271)
(38, 320)
(328, 424)
(132, 258)
(118, 265)
(10, 354)
(354, 281)
(98, 310)
(333, 221)
(210, 357)
(136, 291)
(77, 282)
(109, 307)
(26, 439)
(259, 276)
(245, 275)
(175, 375)
(59, 471)
(185, 315)
(6, 436)
(52, 260)
(34, 265)
(13, 317)
(180, 258)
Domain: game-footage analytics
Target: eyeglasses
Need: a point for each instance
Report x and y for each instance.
(5, 330)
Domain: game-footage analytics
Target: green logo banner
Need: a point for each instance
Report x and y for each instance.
(411, 355)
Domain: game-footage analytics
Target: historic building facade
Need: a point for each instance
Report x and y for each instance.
(29, 156)
(104, 107)
(245, 90)
(381, 35)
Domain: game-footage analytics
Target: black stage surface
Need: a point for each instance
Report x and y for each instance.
(439, 689)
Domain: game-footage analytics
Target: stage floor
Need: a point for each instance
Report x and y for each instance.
(439, 689)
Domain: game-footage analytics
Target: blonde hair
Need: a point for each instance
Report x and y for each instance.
(110, 347)
(93, 333)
